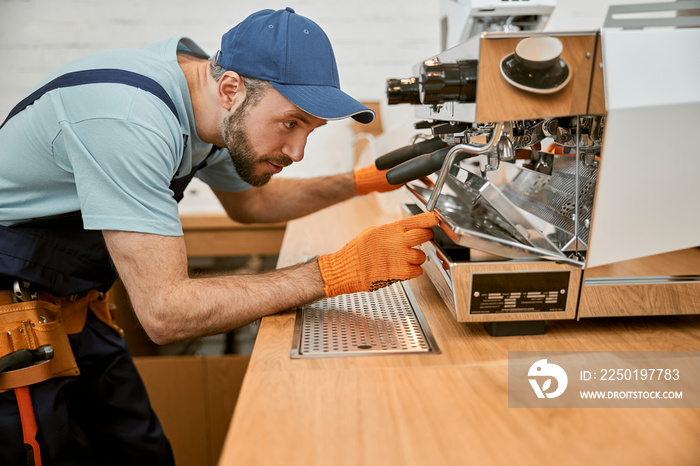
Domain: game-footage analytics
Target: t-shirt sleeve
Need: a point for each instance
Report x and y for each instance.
(122, 173)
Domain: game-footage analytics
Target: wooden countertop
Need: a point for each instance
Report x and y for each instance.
(441, 409)
(216, 235)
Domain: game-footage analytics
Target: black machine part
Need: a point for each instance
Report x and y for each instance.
(402, 154)
(417, 167)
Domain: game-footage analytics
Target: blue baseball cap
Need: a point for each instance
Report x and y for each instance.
(294, 55)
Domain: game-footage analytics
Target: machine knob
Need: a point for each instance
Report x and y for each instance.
(444, 82)
(402, 91)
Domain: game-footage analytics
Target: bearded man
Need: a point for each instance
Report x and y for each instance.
(92, 164)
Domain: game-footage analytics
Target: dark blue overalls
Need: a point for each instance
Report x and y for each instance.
(102, 416)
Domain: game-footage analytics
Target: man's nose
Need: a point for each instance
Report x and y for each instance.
(294, 149)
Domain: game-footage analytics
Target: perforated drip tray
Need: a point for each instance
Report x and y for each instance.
(387, 321)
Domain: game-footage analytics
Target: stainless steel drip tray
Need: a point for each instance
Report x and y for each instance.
(385, 322)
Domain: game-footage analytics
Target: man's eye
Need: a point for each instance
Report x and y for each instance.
(290, 124)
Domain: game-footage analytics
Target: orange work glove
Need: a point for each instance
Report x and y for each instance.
(378, 257)
(369, 179)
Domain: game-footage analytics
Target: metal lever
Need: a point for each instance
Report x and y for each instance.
(452, 155)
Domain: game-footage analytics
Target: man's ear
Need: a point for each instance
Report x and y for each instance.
(231, 89)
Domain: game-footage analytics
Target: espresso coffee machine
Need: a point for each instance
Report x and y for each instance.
(560, 168)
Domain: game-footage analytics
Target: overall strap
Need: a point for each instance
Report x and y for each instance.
(58, 255)
(105, 75)
(178, 185)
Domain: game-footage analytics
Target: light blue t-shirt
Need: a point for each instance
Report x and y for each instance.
(109, 150)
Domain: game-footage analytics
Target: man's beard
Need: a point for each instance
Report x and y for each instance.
(244, 157)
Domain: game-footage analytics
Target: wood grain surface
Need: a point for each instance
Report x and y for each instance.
(497, 100)
(441, 409)
(219, 236)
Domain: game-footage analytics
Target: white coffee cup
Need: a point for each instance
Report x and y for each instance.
(539, 51)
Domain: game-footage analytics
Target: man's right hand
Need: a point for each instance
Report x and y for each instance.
(378, 257)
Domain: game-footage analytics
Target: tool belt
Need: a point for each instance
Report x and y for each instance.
(46, 320)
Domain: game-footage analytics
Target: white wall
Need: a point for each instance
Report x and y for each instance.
(373, 40)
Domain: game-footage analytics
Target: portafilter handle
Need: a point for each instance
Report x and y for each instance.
(452, 156)
(402, 154)
(417, 167)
